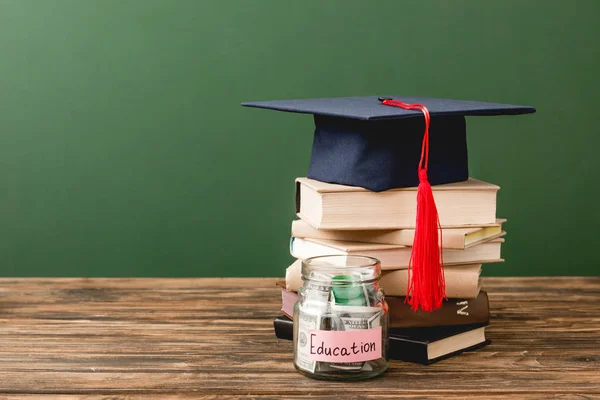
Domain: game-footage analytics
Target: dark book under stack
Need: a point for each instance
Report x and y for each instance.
(370, 158)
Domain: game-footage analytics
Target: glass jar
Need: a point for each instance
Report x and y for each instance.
(341, 319)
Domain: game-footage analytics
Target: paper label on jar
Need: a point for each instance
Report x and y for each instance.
(348, 318)
(344, 346)
(306, 323)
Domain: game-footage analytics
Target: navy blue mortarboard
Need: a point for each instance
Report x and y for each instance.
(359, 141)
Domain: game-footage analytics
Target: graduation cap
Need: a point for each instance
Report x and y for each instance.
(360, 142)
(381, 143)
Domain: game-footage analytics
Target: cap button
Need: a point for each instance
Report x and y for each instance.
(382, 99)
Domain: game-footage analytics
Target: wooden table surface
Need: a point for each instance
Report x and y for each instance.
(189, 338)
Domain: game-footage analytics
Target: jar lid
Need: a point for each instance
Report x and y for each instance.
(341, 270)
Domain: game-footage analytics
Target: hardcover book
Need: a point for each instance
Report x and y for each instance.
(452, 238)
(332, 206)
(462, 281)
(393, 256)
(418, 345)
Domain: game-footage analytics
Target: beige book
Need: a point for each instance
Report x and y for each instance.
(393, 256)
(332, 206)
(452, 238)
(462, 281)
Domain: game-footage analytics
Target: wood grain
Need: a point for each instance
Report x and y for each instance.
(213, 338)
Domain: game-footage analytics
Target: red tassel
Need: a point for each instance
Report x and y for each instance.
(426, 283)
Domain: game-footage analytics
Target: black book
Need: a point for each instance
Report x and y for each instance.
(419, 345)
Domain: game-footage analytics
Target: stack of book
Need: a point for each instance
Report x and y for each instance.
(346, 220)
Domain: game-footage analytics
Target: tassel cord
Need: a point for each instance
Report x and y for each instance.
(426, 283)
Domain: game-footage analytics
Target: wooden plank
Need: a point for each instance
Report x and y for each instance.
(181, 338)
(432, 395)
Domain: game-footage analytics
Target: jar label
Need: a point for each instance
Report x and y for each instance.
(345, 346)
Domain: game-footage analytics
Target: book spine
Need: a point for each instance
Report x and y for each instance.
(401, 315)
(452, 312)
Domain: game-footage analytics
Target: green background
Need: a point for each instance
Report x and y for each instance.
(124, 151)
